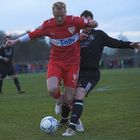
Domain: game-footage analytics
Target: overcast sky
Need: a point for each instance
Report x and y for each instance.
(113, 16)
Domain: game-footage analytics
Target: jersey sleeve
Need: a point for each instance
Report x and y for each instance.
(80, 22)
(114, 43)
(39, 32)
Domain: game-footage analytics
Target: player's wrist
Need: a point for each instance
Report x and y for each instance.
(92, 23)
(24, 38)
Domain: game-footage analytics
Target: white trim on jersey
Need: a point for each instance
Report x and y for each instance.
(24, 38)
(65, 41)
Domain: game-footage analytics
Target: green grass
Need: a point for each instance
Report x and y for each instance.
(111, 112)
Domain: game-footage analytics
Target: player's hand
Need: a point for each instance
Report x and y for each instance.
(1, 57)
(83, 36)
(11, 42)
(135, 45)
(93, 23)
(5, 59)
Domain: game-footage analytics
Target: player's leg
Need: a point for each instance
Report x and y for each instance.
(1, 83)
(66, 104)
(77, 109)
(70, 82)
(11, 72)
(86, 84)
(58, 105)
(52, 85)
(54, 76)
(76, 112)
(70, 76)
(17, 84)
(2, 76)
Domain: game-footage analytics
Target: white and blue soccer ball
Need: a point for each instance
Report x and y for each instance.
(49, 124)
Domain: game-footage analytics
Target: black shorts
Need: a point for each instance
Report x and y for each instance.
(88, 80)
(7, 70)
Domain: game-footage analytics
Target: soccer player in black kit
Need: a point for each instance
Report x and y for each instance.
(92, 47)
(6, 66)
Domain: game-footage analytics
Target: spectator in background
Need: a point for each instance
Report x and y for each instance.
(6, 65)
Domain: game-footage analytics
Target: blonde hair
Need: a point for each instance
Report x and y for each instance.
(59, 5)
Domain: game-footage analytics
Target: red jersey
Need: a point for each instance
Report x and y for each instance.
(64, 38)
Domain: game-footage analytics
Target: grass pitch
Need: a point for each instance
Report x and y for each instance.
(111, 111)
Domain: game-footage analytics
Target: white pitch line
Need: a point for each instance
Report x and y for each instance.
(107, 88)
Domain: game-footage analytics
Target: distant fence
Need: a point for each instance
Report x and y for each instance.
(30, 68)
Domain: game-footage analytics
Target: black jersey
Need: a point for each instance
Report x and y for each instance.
(92, 48)
(8, 53)
(6, 68)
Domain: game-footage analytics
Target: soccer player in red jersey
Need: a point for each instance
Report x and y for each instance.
(63, 31)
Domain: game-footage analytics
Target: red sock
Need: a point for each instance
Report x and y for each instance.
(57, 94)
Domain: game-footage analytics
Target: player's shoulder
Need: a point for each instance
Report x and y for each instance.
(71, 17)
(98, 31)
(49, 22)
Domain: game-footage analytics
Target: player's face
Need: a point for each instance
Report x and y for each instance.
(59, 15)
(87, 29)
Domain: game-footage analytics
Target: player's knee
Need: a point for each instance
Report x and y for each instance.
(80, 94)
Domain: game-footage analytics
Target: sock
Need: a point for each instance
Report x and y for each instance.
(76, 113)
(1, 83)
(57, 94)
(17, 84)
(65, 112)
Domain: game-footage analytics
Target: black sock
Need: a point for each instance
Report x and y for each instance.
(65, 112)
(76, 113)
(17, 84)
(1, 83)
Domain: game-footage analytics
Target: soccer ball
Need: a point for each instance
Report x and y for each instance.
(48, 124)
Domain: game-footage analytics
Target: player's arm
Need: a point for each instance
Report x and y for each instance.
(115, 43)
(1, 57)
(92, 23)
(82, 23)
(135, 45)
(83, 36)
(1, 46)
(24, 38)
(29, 36)
(5, 59)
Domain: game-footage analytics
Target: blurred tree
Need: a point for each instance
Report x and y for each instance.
(35, 51)
(2, 34)
(123, 53)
